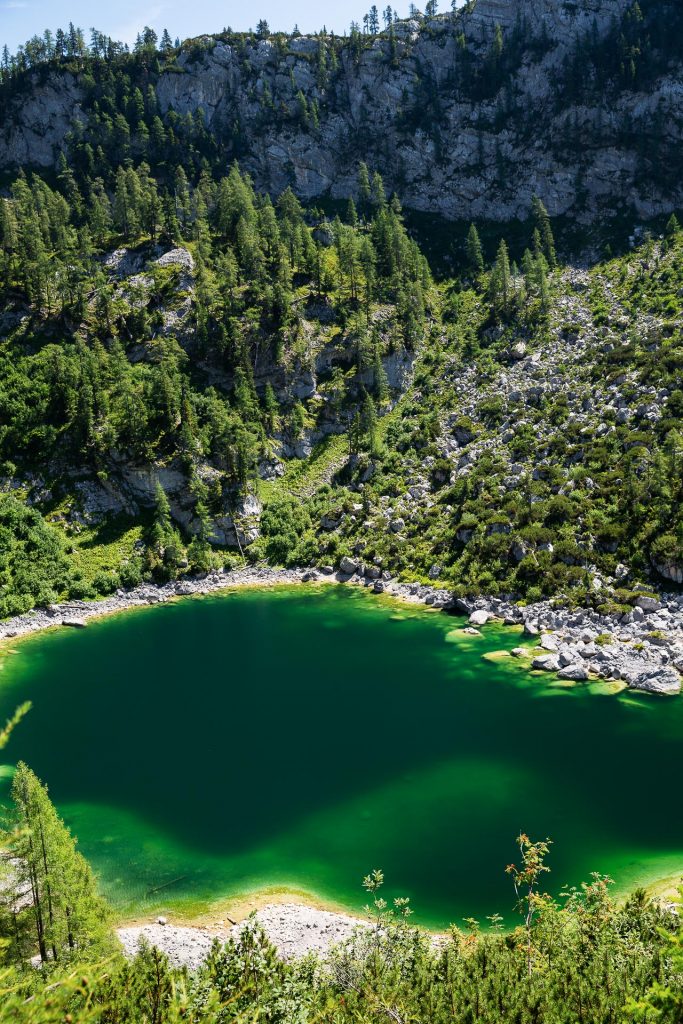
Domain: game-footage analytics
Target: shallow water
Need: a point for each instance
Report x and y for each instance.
(301, 737)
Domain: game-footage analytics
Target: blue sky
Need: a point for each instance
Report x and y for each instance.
(122, 19)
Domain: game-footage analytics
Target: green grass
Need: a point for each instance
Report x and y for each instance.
(303, 477)
(104, 548)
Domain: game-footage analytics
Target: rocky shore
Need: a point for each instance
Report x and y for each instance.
(294, 930)
(642, 648)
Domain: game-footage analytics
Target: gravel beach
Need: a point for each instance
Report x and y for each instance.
(293, 929)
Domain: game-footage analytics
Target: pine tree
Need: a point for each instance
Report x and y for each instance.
(182, 199)
(378, 196)
(381, 380)
(162, 516)
(368, 425)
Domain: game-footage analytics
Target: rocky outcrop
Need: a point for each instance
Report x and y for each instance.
(35, 127)
(642, 649)
(398, 106)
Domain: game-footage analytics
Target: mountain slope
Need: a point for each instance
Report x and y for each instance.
(195, 373)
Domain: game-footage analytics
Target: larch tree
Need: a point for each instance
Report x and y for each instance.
(52, 891)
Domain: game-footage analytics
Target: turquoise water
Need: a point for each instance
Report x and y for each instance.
(301, 737)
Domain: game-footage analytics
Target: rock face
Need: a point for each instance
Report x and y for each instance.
(398, 106)
(34, 130)
(670, 570)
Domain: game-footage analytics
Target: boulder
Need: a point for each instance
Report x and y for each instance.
(670, 570)
(648, 604)
(347, 566)
(575, 672)
(519, 652)
(479, 618)
(519, 550)
(548, 643)
(663, 680)
(546, 663)
(518, 351)
(531, 628)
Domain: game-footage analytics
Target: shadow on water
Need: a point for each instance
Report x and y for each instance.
(303, 737)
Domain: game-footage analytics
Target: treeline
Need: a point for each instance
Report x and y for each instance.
(69, 47)
(576, 958)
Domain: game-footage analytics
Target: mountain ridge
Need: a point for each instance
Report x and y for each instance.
(455, 111)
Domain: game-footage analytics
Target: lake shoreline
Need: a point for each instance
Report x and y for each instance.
(309, 925)
(295, 929)
(642, 648)
(297, 921)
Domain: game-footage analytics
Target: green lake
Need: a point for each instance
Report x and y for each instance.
(299, 738)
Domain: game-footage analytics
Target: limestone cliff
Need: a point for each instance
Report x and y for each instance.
(403, 104)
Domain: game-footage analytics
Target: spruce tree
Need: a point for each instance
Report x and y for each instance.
(501, 284)
(364, 189)
(475, 253)
(542, 225)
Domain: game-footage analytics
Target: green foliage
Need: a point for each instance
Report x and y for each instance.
(284, 524)
(622, 962)
(34, 567)
(50, 897)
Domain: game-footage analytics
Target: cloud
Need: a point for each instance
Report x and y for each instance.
(13, 5)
